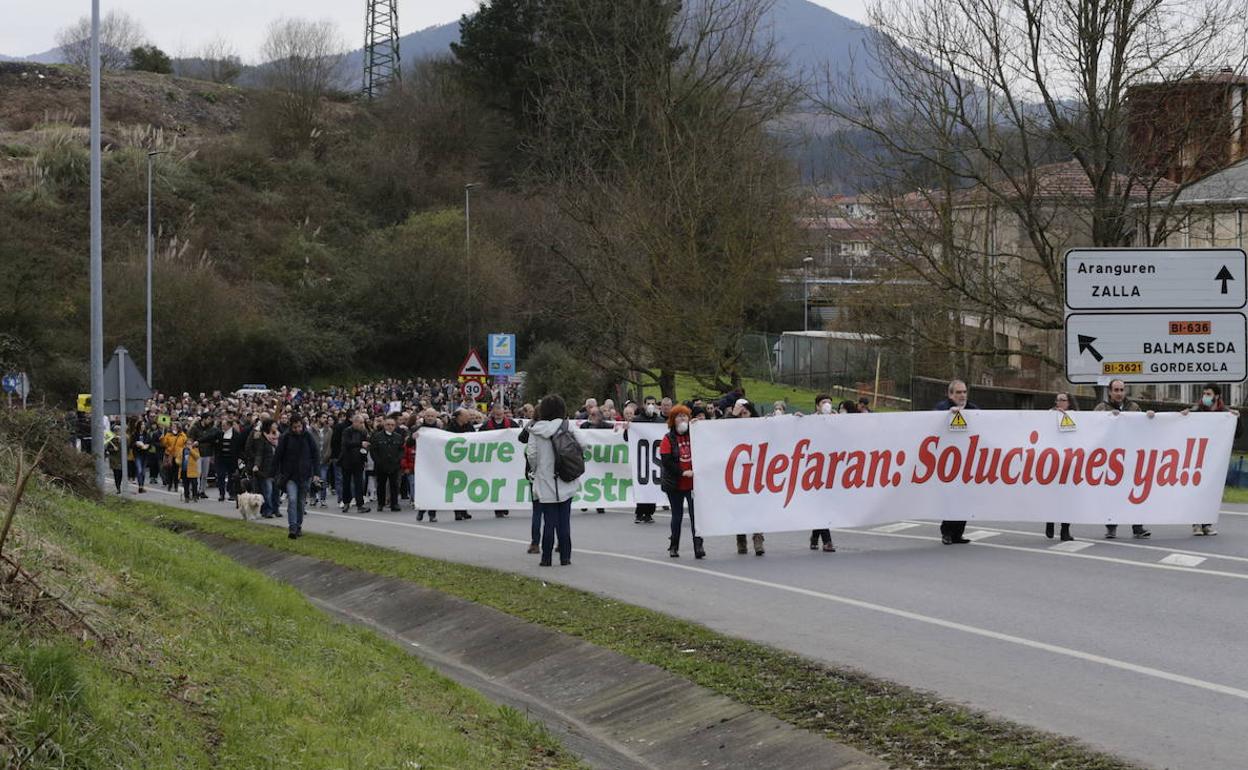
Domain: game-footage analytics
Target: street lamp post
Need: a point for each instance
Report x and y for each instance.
(806, 263)
(151, 156)
(96, 264)
(468, 248)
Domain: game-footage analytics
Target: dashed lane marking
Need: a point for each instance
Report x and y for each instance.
(1182, 560)
(1069, 652)
(1071, 546)
(898, 527)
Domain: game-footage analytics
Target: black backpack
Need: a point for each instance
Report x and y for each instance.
(569, 458)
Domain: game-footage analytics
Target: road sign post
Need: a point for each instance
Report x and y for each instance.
(1156, 315)
(472, 376)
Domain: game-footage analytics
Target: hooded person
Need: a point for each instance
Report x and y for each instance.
(554, 495)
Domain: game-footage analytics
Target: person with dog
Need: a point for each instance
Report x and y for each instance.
(677, 480)
(262, 468)
(386, 448)
(296, 462)
(355, 445)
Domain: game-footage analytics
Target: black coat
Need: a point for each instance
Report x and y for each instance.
(296, 457)
(387, 451)
(352, 459)
(671, 464)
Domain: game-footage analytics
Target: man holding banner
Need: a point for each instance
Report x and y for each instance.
(957, 399)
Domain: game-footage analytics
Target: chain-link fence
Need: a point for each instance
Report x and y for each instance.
(831, 361)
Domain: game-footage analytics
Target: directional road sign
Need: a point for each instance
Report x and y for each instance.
(1156, 347)
(1156, 279)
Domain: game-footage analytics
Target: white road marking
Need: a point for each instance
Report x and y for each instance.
(1116, 543)
(1050, 551)
(980, 534)
(1183, 560)
(898, 527)
(1071, 546)
(985, 633)
(1233, 513)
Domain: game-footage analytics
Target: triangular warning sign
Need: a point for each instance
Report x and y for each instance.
(958, 422)
(472, 365)
(1066, 423)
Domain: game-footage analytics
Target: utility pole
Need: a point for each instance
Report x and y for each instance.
(151, 244)
(381, 47)
(97, 265)
(468, 248)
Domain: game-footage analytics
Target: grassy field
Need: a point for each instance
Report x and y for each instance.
(196, 662)
(761, 392)
(905, 727)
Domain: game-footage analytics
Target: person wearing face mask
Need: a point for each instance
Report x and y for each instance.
(677, 481)
(823, 404)
(1211, 401)
(742, 409)
(643, 513)
(1062, 402)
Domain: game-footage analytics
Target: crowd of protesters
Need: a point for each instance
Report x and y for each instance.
(359, 445)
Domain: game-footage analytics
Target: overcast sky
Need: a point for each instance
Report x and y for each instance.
(181, 26)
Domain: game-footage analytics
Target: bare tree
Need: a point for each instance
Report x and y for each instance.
(1006, 139)
(675, 199)
(216, 61)
(303, 64)
(119, 34)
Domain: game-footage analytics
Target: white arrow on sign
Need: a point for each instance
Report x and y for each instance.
(1156, 279)
(1156, 347)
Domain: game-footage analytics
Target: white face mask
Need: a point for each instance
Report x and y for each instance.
(682, 427)
(651, 410)
(825, 407)
(779, 412)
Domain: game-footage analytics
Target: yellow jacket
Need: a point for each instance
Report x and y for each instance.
(191, 471)
(173, 446)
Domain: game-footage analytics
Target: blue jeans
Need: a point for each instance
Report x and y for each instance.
(537, 523)
(326, 479)
(296, 504)
(268, 492)
(558, 520)
(140, 468)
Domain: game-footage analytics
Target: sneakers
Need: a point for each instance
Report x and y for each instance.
(1198, 529)
(1207, 529)
(758, 544)
(420, 515)
(1143, 534)
(829, 548)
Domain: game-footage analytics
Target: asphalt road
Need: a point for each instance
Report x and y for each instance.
(1135, 647)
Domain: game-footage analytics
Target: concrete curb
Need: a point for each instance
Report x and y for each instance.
(611, 710)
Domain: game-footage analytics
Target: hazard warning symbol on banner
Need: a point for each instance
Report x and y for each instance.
(958, 422)
(1066, 423)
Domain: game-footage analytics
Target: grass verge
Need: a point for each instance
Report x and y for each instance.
(1235, 495)
(197, 662)
(900, 725)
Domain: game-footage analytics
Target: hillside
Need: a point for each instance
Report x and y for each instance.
(164, 654)
(270, 246)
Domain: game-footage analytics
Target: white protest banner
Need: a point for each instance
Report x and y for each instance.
(644, 439)
(789, 473)
(485, 471)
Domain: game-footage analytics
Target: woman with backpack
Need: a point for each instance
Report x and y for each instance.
(556, 454)
(677, 480)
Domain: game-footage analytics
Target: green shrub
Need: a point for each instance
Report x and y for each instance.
(552, 368)
(31, 429)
